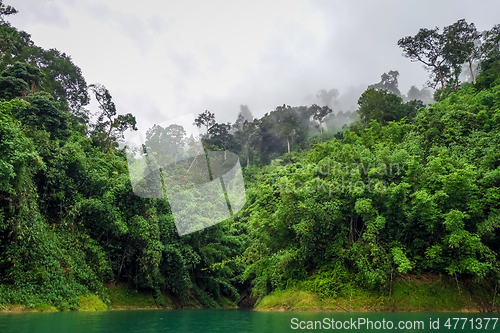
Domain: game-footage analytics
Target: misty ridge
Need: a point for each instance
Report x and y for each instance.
(451, 58)
(325, 115)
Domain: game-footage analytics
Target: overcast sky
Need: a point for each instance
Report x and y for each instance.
(163, 59)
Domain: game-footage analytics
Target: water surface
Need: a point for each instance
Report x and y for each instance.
(226, 321)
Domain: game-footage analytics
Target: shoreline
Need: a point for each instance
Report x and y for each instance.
(409, 294)
(18, 310)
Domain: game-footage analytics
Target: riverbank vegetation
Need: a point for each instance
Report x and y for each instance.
(410, 294)
(340, 206)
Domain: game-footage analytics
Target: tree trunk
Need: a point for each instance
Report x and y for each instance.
(121, 266)
(471, 71)
(288, 143)
(352, 230)
(441, 79)
(107, 143)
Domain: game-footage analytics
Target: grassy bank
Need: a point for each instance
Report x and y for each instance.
(120, 298)
(409, 294)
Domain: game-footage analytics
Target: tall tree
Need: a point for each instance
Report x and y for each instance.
(176, 136)
(319, 114)
(268, 140)
(491, 42)
(7, 42)
(388, 82)
(246, 113)
(379, 105)
(110, 126)
(247, 136)
(167, 142)
(220, 136)
(63, 78)
(238, 124)
(288, 123)
(462, 44)
(206, 119)
(427, 47)
(20, 79)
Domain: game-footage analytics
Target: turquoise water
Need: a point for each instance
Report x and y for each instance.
(225, 321)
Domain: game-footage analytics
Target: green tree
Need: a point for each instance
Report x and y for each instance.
(427, 47)
(44, 113)
(248, 136)
(110, 126)
(20, 79)
(206, 119)
(62, 78)
(319, 114)
(491, 42)
(220, 136)
(388, 82)
(462, 45)
(287, 122)
(381, 106)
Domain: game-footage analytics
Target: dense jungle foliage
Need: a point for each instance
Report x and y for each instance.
(404, 188)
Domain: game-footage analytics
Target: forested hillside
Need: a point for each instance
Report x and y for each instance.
(335, 200)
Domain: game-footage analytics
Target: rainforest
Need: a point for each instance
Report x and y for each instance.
(343, 210)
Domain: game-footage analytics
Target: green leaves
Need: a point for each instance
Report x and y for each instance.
(384, 107)
(454, 220)
(18, 158)
(400, 259)
(44, 113)
(109, 126)
(437, 208)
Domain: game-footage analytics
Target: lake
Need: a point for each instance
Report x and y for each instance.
(241, 321)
